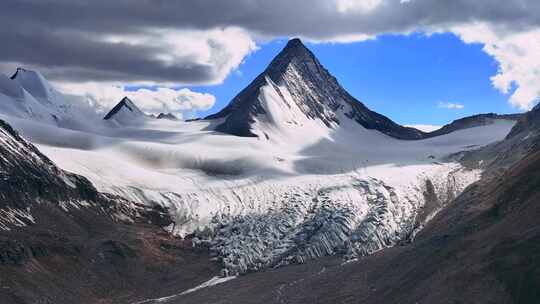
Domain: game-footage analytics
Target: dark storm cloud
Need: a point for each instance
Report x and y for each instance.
(63, 36)
(82, 56)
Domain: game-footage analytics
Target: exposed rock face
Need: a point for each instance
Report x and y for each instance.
(125, 112)
(61, 241)
(31, 184)
(523, 139)
(169, 116)
(29, 179)
(529, 123)
(28, 176)
(313, 89)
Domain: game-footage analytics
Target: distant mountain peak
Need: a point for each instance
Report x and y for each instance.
(169, 116)
(303, 86)
(124, 110)
(129, 104)
(32, 96)
(19, 69)
(35, 84)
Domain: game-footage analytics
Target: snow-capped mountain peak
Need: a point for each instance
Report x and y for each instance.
(169, 116)
(304, 89)
(125, 112)
(17, 97)
(34, 83)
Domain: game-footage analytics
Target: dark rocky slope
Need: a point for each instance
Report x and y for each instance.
(61, 241)
(523, 139)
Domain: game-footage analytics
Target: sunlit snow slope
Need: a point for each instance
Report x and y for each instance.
(315, 181)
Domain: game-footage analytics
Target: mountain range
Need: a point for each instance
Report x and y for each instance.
(295, 192)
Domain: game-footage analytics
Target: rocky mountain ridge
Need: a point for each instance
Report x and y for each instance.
(312, 88)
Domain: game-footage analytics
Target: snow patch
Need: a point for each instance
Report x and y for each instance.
(212, 282)
(12, 217)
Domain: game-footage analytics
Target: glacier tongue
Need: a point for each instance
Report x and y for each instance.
(355, 217)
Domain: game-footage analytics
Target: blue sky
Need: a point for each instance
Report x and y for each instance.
(403, 77)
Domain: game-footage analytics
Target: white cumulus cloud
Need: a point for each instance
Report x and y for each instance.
(347, 6)
(518, 56)
(161, 99)
(220, 50)
(450, 105)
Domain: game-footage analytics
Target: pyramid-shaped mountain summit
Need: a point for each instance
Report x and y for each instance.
(296, 89)
(125, 112)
